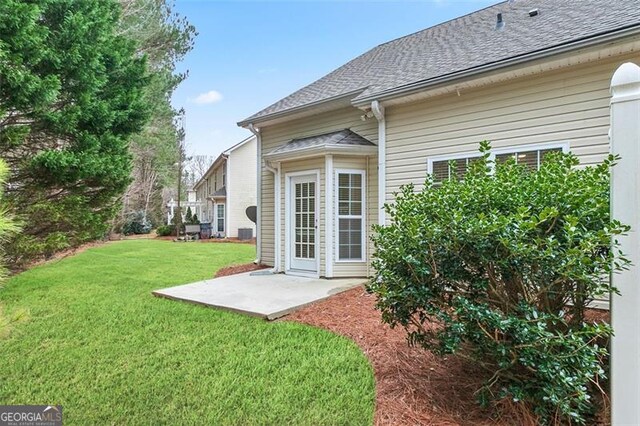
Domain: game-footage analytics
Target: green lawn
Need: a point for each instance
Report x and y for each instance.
(96, 341)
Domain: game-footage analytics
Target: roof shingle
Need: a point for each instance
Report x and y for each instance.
(465, 43)
(342, 137)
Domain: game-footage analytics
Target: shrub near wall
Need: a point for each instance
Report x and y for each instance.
(506, 262)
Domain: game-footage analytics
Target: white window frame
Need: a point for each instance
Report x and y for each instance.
(224, 217)
(362, 217)
(499, 151)
(288, 218)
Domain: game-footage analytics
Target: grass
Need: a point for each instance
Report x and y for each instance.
(97, 342)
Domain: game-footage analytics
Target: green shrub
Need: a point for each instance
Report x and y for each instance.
(505, 263)
(188, 217)
(165, 230)
(136, 223)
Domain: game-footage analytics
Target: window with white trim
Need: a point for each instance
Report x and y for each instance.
(350, 209)
(443, 168)
(220, 218)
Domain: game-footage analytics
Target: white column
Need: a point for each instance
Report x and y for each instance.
(277, 194)
(625, 206)
(328, 216)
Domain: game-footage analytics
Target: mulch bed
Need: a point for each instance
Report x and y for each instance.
(413, 386)
(238, 269)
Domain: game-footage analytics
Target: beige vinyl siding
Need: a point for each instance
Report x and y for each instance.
(217, 181)
(279, 134)
(359, 269)
(571, 105)
(241, 187)
(207, 188)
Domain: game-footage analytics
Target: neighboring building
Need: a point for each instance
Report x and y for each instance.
(228, 188)
(530, 76)
(191, 202)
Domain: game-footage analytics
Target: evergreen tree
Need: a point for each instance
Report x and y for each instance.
(7, 224)
(71, 98)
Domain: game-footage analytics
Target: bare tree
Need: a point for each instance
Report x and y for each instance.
(198, 166)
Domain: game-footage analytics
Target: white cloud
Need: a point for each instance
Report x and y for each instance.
(210, 97)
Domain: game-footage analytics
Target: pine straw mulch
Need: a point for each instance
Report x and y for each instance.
(238, 269)
(413, 386)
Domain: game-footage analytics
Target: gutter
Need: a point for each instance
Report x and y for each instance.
(256, 133)
(301, 153)
(378, 112)
(253, 120)
(528, 57)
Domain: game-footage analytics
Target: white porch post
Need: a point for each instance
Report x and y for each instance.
(328, 218)
(278, 213)
(625, 206)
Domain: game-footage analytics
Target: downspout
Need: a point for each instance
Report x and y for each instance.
(276, 195)
(256, 133)
(378, 112)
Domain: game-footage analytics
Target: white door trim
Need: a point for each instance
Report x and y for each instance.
(287, 223)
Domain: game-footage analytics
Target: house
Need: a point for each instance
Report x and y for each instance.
(228, 188)
(190, 203)
(529, 75)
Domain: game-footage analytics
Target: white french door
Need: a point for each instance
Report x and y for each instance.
(303, 223)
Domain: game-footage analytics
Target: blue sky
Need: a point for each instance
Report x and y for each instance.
(250, 54)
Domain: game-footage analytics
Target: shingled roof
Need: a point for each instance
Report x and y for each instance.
(465, 43)
(327, 140)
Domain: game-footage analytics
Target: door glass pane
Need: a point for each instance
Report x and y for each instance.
(305, 220)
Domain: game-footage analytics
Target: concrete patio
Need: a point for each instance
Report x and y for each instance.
(267, 296)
